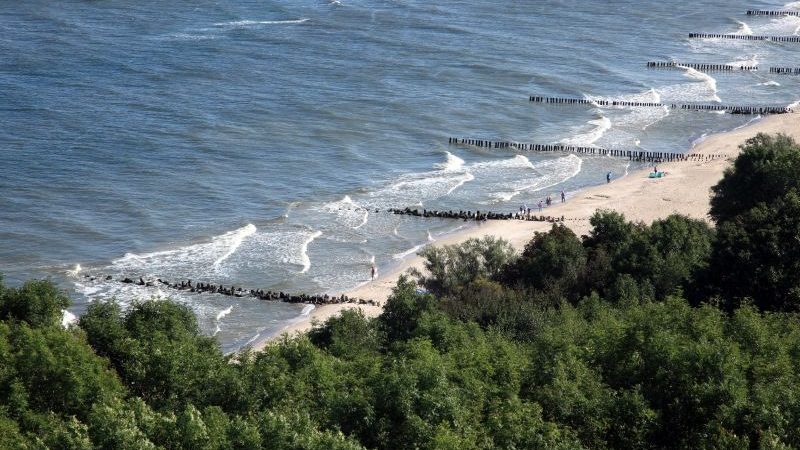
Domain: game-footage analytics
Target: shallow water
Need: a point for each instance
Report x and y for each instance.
(226, 142)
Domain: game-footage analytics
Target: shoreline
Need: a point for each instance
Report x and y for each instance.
(685, 190)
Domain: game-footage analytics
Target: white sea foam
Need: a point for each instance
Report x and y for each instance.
(638, 118)
(348, 212)
(704, 88)
(75, 271)
(235, 241)
(276, 249)
(67, 318)
(750, 62)
(769, 83)
(254, 338)
(289, 208)
(219, 317)
(408, 252)
(203, 258)
(784, 25)
(754, 119)
(413, 249)
(189, 37)
(503, 196)
(307, 310)
(792, 5)
(86, 289)
(416, 188)
(545, 174)
(744, 29)
(515, 162)
(250, 23)
(555, 172)
(452, 164)
(305, 260)
(600, 126)
(224, 313)
(708, 80)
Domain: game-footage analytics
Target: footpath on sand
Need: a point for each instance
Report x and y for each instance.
(685, 190)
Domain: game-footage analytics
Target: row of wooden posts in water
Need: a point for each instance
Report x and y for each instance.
(785, 70)
(704, 67)
(772, 12)
(699, 66)
(233, 291)
(745, 37)
(478, 216)
(730, 109)
(632, 155)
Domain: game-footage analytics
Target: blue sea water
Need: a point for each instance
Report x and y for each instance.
(233, 141)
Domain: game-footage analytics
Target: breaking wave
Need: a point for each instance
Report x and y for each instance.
(251, 23)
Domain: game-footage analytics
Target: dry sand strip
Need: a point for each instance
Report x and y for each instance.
(685, 190)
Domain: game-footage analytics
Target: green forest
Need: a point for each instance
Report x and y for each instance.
(675, 334)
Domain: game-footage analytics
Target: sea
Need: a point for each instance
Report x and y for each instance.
(259, 143)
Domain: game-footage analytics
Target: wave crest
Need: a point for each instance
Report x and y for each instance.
(251, 23)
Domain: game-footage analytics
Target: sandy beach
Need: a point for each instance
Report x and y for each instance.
(685, 190)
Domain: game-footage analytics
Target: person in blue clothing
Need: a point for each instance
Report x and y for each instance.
(608, 177)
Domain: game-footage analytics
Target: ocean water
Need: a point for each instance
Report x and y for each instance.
(249, 142)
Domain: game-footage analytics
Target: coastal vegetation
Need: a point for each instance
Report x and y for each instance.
(672, 334)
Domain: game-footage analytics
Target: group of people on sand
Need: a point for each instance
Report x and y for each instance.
(525, 210)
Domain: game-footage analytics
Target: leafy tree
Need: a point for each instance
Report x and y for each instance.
(349, 333)
(160, 355)
(767, 167)
(10, 435)
(49, 369)
(634, 261)
(450, 267)
(403, 310)
(756, 256)
(113, 426)
(490, 304)
(37, 302)
(682, 248)
(554, 261)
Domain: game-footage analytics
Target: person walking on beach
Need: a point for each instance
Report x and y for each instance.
(608, 177)
(563, 197)
(373, 272)
(540, 206)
